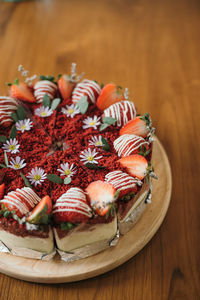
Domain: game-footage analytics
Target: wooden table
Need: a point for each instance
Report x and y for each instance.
(152, 47)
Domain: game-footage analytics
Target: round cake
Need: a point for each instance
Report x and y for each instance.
(75, 164)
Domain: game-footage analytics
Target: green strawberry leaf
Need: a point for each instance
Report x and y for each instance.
(13, 132)
(106, 146)
(16, 81)
(83, 104)
(55, 103)
(109, 120)
(54, 178)
(3, 138)
(93, 166)
(67, 180)
(21, 113)
(48, 77)
(6, 159)
(67, 226)
(26, 181)
(46, 101)
(103, 126)
(14, 117)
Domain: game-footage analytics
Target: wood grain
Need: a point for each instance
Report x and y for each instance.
(152, 47)
(56, 271)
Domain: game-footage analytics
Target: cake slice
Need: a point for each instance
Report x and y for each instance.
(77, 226)
(24, 221)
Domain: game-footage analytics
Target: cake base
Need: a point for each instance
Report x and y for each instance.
(57, 271)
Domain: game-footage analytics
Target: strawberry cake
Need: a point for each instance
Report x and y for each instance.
(75, 163)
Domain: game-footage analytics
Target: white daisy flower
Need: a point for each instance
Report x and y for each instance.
(91, 122)
(43, 111)
(89, 156)
(23, 125)
(11, 146)
(37, 176)
(67, 170)
(70, 110)
(96, 141)
(17, 163)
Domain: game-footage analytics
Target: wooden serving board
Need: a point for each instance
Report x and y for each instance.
(57, 271)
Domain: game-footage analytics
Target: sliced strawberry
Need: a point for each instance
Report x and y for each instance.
(123, 182)
(128, 144)
(110, 94)
(136, 165)
(141, 126)
(2, 189)
(21, 201)
(72, 207)
(40, 213)
(101, 194)
(122, 111)
(66, 86)
(21, 91)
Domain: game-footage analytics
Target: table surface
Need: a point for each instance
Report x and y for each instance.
(152, 47)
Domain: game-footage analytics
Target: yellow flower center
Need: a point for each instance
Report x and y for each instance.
(43, 113)
(92, 123)
(23, 127)
(17, 166)
(70, 111)
(68, 172)
(90, 158)
(37, 177)
(98, 143)
(12, 147)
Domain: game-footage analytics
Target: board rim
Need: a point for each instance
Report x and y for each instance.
(139, 245)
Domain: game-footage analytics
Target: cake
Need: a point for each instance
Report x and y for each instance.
(75, 163)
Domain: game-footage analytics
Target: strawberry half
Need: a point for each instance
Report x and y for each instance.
(128, 144)
(136, 165)
(72, 207)
(141, 126)
(101, 195)
(123, 182)
(41, 212)
(21, 201)
(122, 111)
(66, 86)
(21, 91)
(2, 189)
(110, 94)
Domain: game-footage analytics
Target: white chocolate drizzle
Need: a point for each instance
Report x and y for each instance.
(7, 106)
(122, 181)
(127, 144)
(23, 199)
(87, 88)
(44, 87)
(122, 111)
(74, 200)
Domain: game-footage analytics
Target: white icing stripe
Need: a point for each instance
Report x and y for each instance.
(73, 200)
(86, 88)
(22, 199)
(122, 111)
(44, 87)
(128, 143)
(7, 106)
(122, 181)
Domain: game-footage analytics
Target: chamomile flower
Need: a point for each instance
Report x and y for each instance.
(23, 125)
(11, 146)
(96, 141)
(89, 156)
(17, 163)
(37, 176)
(70, 110)
(43, 111)
(91, 122)
(67, 170)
